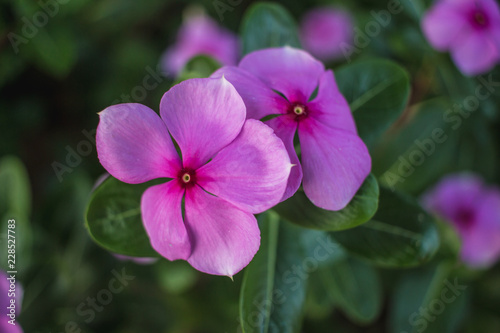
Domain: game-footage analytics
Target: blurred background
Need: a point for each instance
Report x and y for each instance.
(83, 56)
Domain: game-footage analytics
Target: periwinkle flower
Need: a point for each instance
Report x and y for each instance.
(281, 83)
(7, 295)
(323, 30)
(228, 169)
(473, 209)
(200, 35)
(468, 29)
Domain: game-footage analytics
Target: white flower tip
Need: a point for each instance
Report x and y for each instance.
(231, 277)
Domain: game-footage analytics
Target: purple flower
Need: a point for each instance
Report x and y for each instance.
(468, 29)
(5, 302)
(323, 30)
(200, 35)
(474, 211)
(281, 83)
(228, 170)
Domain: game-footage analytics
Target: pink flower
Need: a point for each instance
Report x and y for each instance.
(228, 170)
(281, 83)
(5, 303)
(200, 35)
(468, 29)
(474, 211)
(323, 30)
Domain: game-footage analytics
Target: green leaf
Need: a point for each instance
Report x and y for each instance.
(434, 142)
(299, 210)
(354, 287)
(113, 218)
(268, 25)
(400, 234)
(15, 192)
(15, 204)
(431, 299)
(377, 92)
(273, 294)
(199, 67)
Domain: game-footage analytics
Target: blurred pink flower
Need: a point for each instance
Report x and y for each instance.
(200, 35)
(474, 211)
(468, 29)
(294, 89)
(229, 169)
(323, 30)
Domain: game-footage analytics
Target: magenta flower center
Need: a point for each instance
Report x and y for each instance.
(465, 218)
(299, 111)
(187, 177)
(479, 19)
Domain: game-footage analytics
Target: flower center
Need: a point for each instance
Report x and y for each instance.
(465, 217)
(186, 177)
(298, 111)
(480, 19)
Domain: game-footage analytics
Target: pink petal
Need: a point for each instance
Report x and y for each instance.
(225, 237)
(335, 163)
(292, 72)
(467, 58)
(200, 35)
(453, 194)
(251, 172)
(443, 25)
(323, 30)
(330, 107)
(285, 128)
(203, 116)
(481, 242)
(260, 100)
(162, 216)
(133, 144)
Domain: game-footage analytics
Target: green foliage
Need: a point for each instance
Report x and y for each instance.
(377, 92)
(272, 296)
(113, 218)
(298, 209)
(400, 234)
(267, 24)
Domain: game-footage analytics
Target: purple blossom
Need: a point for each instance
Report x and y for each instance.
(200, 35)
(281, 83)
(468, 29)
(473, 209)
(323, 30)
(229, 169)
(5, 302)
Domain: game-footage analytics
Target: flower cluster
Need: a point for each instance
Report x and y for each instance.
(224, 164)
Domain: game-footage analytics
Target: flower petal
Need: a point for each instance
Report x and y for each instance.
(443, 24)
(260, 100)
(285, 128)
(162, 216)
(251, 172)
(335, 163)
(225, 237)
(292, 72)
(468, 60)
(199, 34)
(203, 116)
(133, 144)
(330, 107)
(481, 242)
